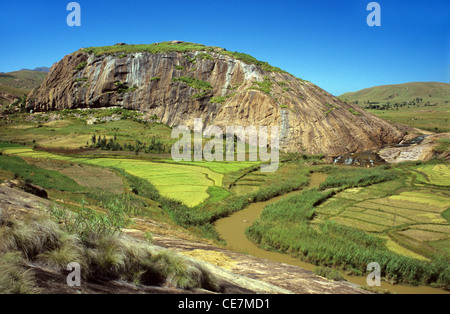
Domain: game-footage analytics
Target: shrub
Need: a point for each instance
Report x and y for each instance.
(189, 59)
(199, 95)
(178, 272)
(264, 86)
(123, 88)
(217, 100)
(89, 224)
(204, 56)
(221, 99)
(81, 66)
(251, 60)
(354, 112)
(193, 82)
(185, 47)
(68, 251)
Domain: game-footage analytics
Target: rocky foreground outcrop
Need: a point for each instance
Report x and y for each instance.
(238, 273)
(219, 88)
(425, 150)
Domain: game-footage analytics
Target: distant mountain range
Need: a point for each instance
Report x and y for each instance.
(39, 69)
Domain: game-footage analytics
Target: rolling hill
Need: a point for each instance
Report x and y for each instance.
(25, 79)
(14, 85)
(423, 105)
(432, 92)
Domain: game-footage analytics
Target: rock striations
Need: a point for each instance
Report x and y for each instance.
(222, 88)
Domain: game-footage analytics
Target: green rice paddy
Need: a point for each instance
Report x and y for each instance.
(410, 216)
(186, 182)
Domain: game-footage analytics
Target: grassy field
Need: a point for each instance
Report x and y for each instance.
(423, 105)
(49, 179)
(70, 130)
(434, 119)
(13, 91)
(190, 193)
(188, 183)
(24, 79)
(87, 176)
(434, 92)
(399, 214)
(73, 132)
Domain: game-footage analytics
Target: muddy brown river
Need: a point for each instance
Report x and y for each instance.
(232, 230)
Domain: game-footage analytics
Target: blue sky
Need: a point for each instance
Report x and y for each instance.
(327, 42)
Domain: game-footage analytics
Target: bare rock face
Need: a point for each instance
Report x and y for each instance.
(231, 93)
(27, 187)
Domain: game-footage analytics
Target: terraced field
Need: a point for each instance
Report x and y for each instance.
(187, 182)
(409, 215)
(253, 180)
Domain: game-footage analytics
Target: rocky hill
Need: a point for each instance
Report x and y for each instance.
(179, 81)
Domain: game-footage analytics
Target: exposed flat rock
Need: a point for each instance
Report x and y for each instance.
(423, 151)
(289, 278)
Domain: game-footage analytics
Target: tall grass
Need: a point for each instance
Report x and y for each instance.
(102, 257)
(89, 224)
(14, 277)
(343, 178)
